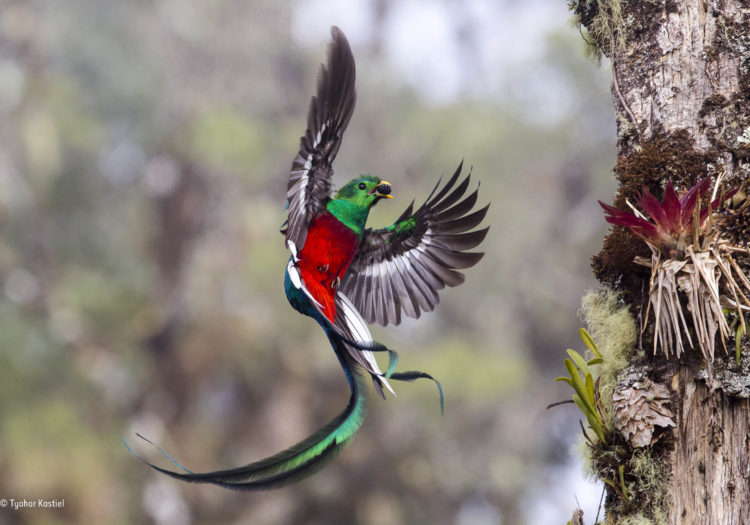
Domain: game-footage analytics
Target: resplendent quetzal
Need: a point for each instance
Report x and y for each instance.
(340, 271)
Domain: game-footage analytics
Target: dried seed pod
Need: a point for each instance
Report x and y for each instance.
(640, 406)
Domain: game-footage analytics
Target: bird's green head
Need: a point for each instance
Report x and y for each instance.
(352, 203)
(365, 191)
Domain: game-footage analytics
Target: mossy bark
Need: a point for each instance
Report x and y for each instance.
(681, 90)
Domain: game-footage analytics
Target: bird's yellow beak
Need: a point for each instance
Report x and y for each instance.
(383, 190)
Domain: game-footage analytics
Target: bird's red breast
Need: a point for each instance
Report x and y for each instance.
(329, 249)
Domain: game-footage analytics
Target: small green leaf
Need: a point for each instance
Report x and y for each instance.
(590, 389)
(584, 409)
(566, 379)
(575, 378)
(580, 362)
(589, 342)
(578, 384)
(597, 426)
(595, 361)
(591, 418)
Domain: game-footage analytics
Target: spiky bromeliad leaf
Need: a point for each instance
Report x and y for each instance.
(690, 256)
(670, 225)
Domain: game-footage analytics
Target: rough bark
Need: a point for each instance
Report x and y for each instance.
(681, 89)
(711, 460)
(667, 75)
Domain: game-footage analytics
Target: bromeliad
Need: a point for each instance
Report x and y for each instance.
(692, 245)
(341, 273)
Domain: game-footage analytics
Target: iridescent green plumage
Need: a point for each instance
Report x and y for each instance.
(299, 461)
(351, 205)
(338, 268)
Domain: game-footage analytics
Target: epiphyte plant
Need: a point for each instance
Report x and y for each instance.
(691, 251)
(581, 380)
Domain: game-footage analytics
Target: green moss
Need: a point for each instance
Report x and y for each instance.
(648, 493)
(625, 128)
(585, 452)
(612, 327)
(635, 519)
(650, 482)
(602, 25)
(646, 484)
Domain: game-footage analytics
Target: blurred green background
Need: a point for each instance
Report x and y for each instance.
(144, 152)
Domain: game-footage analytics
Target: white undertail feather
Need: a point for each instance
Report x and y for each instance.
(362, 334)
(293, 248)
(357, 326)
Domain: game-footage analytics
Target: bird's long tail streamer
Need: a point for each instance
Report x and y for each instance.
(313, 453)
(297, 462)
(411, 375)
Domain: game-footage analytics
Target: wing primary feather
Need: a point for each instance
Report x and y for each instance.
(373, 291)
(443, 273)
(414, 286)
(458, 209)
(394, 305)
(455, 260)
(401, 268)
(379, 294)
(357, 287)
(456, 194)
(462, 224)
(463, 241)
(421, 268)
(434, 189)
(430, 203)
(406, 214)
(404, 296)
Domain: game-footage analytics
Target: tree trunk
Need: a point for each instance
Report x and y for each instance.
(710, 464)
(681, 90)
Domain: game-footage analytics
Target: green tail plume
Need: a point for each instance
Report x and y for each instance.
(311, 454)
(297, 462)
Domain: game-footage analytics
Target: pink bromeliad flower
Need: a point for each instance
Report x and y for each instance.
(670, 229)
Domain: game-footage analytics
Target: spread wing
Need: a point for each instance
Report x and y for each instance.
(403, 266)
(330, 111)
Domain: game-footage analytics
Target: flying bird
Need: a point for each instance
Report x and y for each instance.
(344, 275)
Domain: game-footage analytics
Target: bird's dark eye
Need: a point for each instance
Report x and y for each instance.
(361, 185)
